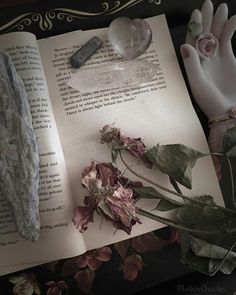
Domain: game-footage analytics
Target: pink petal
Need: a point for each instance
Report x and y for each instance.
(82, 261)
(104, 254)
(122, 247)
(131, 273)
(84, 280)
(94, 263)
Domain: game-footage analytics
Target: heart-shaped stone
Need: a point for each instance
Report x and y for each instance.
(129, 38)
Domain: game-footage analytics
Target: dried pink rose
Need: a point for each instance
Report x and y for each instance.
(111, 194)
(122, 208)
(94, 258)
(206, 45)
(56, 288)
(131, 266)
(134, 146)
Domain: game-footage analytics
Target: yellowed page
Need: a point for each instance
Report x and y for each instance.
(159, 112)
(56, 206)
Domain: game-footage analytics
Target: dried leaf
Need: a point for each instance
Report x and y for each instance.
(176, 160)
(205, 217)
(205, 257)
(165, 205)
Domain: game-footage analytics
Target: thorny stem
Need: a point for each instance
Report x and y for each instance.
(171, 191)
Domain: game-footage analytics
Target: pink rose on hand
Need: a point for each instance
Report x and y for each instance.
(206, 45)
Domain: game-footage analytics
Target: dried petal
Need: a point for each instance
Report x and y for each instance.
(132, 264)
(108, 174)
(84, 280)
(104, 254)
(148, 242)
(84, 214)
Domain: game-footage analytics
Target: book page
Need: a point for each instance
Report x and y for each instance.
(159, 112)
(56, 204)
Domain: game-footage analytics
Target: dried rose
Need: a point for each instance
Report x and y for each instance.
(108, 174)
(122, 209)
(206, 45)
(109, 133)
(134, 146)
(110, 194)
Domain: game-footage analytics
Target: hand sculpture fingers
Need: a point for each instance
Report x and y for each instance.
(227, 34)
(196, 17)
(219, 20)
(201, 88)
(207, 16)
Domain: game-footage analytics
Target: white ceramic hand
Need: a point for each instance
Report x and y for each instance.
(212, 79)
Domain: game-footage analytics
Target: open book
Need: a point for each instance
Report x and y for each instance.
(67, 123)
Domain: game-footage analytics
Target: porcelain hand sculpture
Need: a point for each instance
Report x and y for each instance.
(211, 68)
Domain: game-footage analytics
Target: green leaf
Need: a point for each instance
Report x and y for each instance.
(195, 29)
(165, 205)
(147, 192)
(204, 217)
(176, 160)
(188, 256)
(229, 142)
(215, 254)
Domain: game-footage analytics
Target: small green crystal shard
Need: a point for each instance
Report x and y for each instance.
(195, 29)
